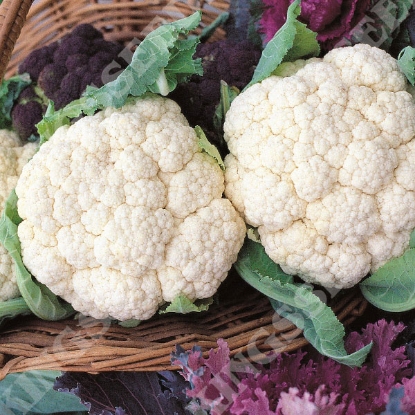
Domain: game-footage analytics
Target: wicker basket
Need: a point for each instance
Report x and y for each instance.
(240, 315)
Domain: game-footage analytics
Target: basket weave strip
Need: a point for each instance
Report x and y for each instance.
(120, 21)
(251, 328)
(12, 18)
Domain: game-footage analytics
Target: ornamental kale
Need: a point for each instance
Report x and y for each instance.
(300, 382)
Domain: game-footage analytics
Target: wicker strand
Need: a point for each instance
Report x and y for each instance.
(252, 330)
(12, 18)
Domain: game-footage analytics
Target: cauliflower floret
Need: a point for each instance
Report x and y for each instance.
(200, 250)
(13, 156)
(8, 284)
(322, 164)
(122, 212)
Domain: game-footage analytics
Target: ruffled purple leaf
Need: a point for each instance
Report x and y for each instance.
(300, 380)
(211, 382)
(126, 393)
(292, 403)
(408, 400)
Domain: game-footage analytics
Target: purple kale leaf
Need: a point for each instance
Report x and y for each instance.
(308, 381)
(211, 386)
(321, 403)
(127, 393)
(408, 399)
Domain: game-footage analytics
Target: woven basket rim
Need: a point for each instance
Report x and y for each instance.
(13, 15)
(251, 328)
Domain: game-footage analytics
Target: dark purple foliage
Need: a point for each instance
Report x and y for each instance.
(127, 393)
(304, 383)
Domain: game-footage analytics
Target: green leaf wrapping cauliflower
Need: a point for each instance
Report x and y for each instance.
(13, 156)
(122, 212)
(322, 163)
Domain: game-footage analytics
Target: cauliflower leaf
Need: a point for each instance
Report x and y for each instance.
(163, 53)
(12, 308)
(208, 147)
(406, 61)
(297, 303)
(39, 299)
(292, 41)
(391, 287)
(32, 392)
(182, 305)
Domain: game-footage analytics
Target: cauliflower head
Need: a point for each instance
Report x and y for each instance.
(13, 156)
(123, 212)
(322, 163)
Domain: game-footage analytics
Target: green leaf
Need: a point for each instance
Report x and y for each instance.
(208, 147)
(32, 393)
(163, 49)
(12, 308)
(412, 240)
(208, 31)
(182, 305)
(291, 42)
(297, 303)
(131, 323)
(9, 91)
(161, 61)
(227, 95)
(41, 301)
(392, 286)
(254, 263)
(406, 61)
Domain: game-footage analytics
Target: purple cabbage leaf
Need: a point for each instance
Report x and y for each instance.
(127, 393)
(303, 381)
